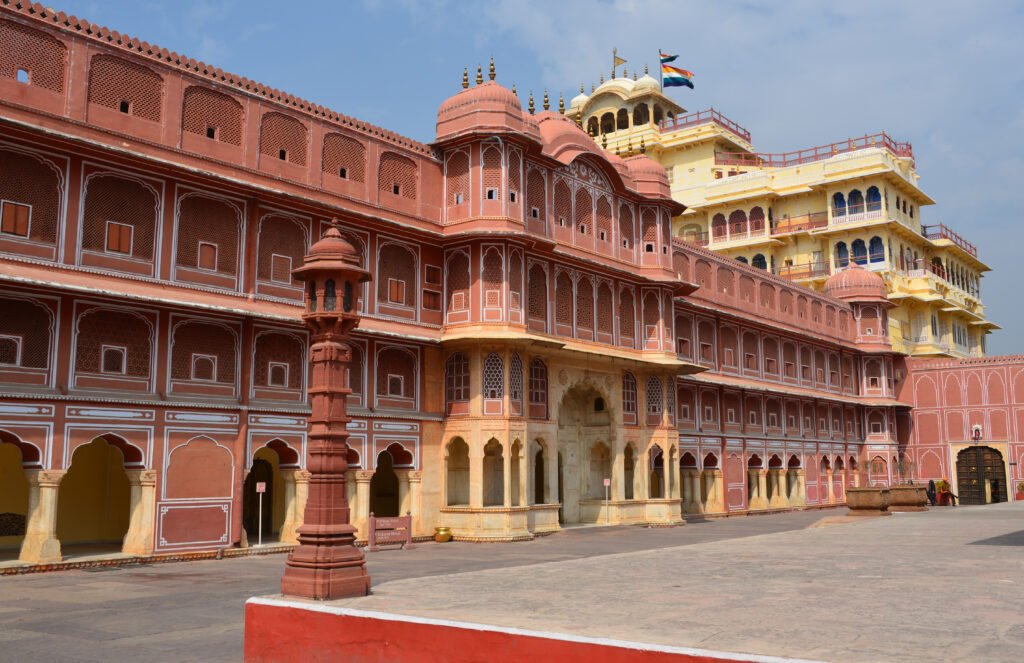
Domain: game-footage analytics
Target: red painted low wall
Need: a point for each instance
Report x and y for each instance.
(279, 631)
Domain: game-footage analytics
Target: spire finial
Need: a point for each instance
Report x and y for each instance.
(629, 145)
(625, 72)
(531, 106)
(581, 88)
(514, 88)
(643, 146)
(604, 141)
(645, 70)
(479, 74)
(591, 88)
(490, 72)
(465, 78)
(601, 82)
(561, 103)
(634, 75)
(547, 102)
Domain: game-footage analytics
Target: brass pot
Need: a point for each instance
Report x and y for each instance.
(442, 534)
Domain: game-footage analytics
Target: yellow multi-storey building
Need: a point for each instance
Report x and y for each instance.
(804, 215)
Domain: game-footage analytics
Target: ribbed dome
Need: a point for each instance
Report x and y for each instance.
(578, 100)
(488, 95)
(856, 283)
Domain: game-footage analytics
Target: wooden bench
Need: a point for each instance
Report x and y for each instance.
(395, 530)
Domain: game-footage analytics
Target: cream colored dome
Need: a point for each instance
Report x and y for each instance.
(646, 82)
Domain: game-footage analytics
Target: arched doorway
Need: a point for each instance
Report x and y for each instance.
(13, 500)
(94, 500)
(629, 472)
(980, 476)
(561, 491)
(259, 522)
(539, 476)
(457, 471)
(657, 476)
(494, 474)
(584, 420)
(384, 499)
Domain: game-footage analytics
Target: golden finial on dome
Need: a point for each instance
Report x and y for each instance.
(581, 88)
(561, 103)
(643, 146)
(601, 82)
(531, 107)
(604, 141)
(490, 72)
(645, 70)
(514, 88)
(625, 73)
(629, 145)
(617, 151)
(465, 78)
(547, 102)
(591, 88)
(479, 74)
(634, 75)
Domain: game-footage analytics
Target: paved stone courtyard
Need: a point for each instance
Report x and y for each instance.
(943, 585)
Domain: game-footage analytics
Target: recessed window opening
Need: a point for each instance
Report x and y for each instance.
(204, 367)
(277, 374)
(649, 248)
(492, 194)
(459, 199)
(207, 256)
(343, 173)
(10, 350)
(125, 107)
(396, 385)
(598, 404)
(16, 219)
(113, 359)
(211, 132)
(282, 155)
(396, 189)
(534, 213)
(583, 229)
(22, 76)
(603, 235)
(512, 196)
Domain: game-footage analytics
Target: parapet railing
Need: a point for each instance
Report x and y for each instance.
(709, 116)
(818, 153)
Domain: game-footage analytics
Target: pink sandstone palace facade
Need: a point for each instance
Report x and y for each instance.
(531, 330)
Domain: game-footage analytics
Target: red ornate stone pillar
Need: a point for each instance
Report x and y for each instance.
(326, 564)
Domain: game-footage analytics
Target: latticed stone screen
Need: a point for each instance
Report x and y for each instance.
(492, 170)
(458, 178)
(563, 202)
(649, 223)
(344, 157)
(397, 263)
(283, 237)
(515, 168)
(206, 220)
(285, 136)
(42, 56)
(585, 303)
(605, 319)
(492, 277)
(355, 369)
(604, 219)
(651, 316)
(655, 395)
(494, 376)
(102, 327)
(458, 282)
(29, 324)
(584, 212)
(276, 348)
(115, 198)
(204, 110)
(27, 180)
(125, 86)
(538, 293)
(515, 378)
(515, 279)
(397, 175)
(396, 373)
(627, 314)
(535, 192)
(625, 227)
(563, 299)
(192, 338)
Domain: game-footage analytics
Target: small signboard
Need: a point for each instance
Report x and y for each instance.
(607, 482)
(261, 486)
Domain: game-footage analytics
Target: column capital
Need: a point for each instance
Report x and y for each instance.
(302, 476)
(45, 478)
(141, 477)
(415, 476)
(364, 476)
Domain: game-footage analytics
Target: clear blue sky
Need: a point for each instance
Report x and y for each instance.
(945, 76)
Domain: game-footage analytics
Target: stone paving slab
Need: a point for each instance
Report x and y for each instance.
(911, 587)
(194, 611)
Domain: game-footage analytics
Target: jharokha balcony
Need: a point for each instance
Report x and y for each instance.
(818, 153)
(710, 116)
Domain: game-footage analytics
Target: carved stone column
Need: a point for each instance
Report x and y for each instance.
(831, 488)
(41, 545)
(362, 507)
(326, 564)
(778, 500)
(142, 514)
(416, 500)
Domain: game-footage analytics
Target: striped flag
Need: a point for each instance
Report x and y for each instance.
(675, 77)
(665, 58)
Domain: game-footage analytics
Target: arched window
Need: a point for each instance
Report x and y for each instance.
(742, 259)
(628, 398)
(396, 275)
(494, 377)
(537, 291)
(756, 220)
(607, 123)
(627, 317)
(874, 199)
(738, 222)
(876, 250)
(538, 389)
(718, 227)
(456, 383)
(125, 86)
(563, 301)
(641, 115)
(759, 262)
(284, 138)
(536, 197)
(515, 383)
(592, 126)
(457, 178)
(344, 158)
(838, 205)
(585, 307)
(860, 252)
(458, 282)
(855, 202)
(457, 484)
(655, 400)
(626, 228)
(397, 175)
(584, 221)
(842, 255)
(211, 115)
(396, 376)
(622, 119)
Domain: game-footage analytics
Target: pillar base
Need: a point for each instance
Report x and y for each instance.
(40, 551)
(326, 566)
(758, 503)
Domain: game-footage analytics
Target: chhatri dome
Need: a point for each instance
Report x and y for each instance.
(856, 284)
